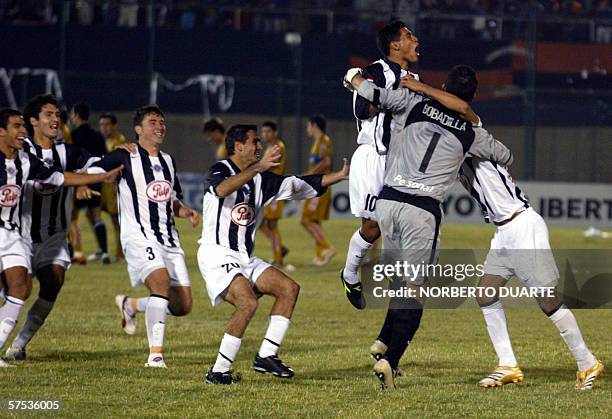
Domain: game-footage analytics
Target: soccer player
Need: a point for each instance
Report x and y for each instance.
(112, 136)
(417, 176)
(215, 133)
(149, 198)
(236, 191)
(316, 210)
(520, 247)
(399, 46)
(274, 211)
(16, 168)
(91, 140)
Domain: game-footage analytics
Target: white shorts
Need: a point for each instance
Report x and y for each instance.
(220, 265)
(52, 251)
(146, 256)
(521, 248)
(14, 250)
(366, 181)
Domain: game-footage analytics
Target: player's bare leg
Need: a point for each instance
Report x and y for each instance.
(324, 250)
(75, 238)
(507, 370)
(51, 279)
(361, 241)
(18, 286)
(158, 283)
(589, 367)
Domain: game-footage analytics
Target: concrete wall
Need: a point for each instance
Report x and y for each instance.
(574, 154)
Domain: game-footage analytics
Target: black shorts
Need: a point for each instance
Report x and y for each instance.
(94, 202)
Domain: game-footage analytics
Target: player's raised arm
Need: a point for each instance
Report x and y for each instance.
(487, 147)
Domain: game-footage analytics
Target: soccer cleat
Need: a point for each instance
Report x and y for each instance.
(106, 260)
(586, 379)
(273, 365)
(15, 354)
(502, 375)
(5, 364)
(79, 260)
(386, 374)
(225, 377)
(156, 361)
(378, 350)
(128, 323)
(95, 256)
(284, 251)
(353, 292)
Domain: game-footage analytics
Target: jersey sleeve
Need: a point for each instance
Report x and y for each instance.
(275, 187)
(392, 100)
(50, 175)
(177, 191)
(361, 105)
(216, 174)
(487, 147)
(108, 162)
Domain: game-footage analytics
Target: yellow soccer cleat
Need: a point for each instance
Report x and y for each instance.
(586, 379)
(386, 374)
(378, 350)
(502, 375)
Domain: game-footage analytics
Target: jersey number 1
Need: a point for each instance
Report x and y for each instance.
(430, 149)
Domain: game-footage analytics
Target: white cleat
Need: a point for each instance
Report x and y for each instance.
(5, 364)
(128, 323)
(15, 354)
(156, 361)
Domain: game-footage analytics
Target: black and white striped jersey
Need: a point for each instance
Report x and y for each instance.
(148, 188)
(376, 130)
(493, 188)
(232, 221)
(14, 173)
(47, 208)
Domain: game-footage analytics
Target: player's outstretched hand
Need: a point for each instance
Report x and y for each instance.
(346, 168)
(270, 159)
(335, 177)
(348, 78)
(110, 176)
(84, 193)
(194, 217)
(411, 83)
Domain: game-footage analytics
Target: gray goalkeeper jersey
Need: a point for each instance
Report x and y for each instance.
(425, 155)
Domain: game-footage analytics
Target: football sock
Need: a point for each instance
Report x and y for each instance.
(9, 313)
(495, 318)
(141, 305)
(155, 319)
(565, 321)
(230, 345)
(358, 247)
(274, 335)
(34, 320)
(385, 332)
(405, 324)
(100, 230)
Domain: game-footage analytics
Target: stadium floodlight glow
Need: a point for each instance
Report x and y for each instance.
(293, 39)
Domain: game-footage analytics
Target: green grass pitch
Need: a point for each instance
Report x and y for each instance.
(82, 358)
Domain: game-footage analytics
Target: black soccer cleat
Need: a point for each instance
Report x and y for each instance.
(220, 377)
(273, 365)
(353, 293)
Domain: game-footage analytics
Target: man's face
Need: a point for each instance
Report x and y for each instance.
(216, 137)
(268, 134)
(408, 46)
(252, 150)
(310, 129)
(152, 129)
(48, 122)
(14, 133)
(107, 128)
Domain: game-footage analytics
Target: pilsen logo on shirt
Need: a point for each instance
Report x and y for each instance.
(243, 215)
(45, 189)
(159, 191)
(9, 195)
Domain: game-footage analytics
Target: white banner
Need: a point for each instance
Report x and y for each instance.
(52, 84)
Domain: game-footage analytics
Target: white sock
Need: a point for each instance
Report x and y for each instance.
(274, 335)
(34, 320)
(9, 313)
(155, 318)
(141, 305)
(495, 317)
(565, 321)
(230, 345)
(358, 247)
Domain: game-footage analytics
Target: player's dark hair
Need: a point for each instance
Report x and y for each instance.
(213, 124)
(462, 82)
(270, 124)
(237, 133)
(110, 116)
(143, 111)
(83, 110)
(319, 121)
(391, 32)
(5, 115)
(33, 108)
